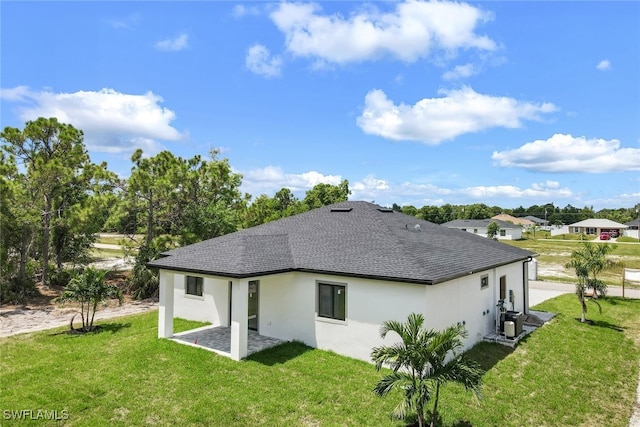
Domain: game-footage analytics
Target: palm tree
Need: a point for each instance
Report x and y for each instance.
(589, 261)
(421, 363)
(89, 289)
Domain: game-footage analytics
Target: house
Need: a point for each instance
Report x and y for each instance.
(537, 221)
(523, 222)
(597, 226)
(508, 231)
(329, 278)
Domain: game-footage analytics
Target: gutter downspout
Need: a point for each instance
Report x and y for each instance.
(525, 285)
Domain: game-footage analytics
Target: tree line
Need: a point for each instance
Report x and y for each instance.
(54, 200)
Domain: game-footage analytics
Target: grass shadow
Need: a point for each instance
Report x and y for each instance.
(97, 329)
(112, 327)
(279, 354)
(605, 324)
(489, 354)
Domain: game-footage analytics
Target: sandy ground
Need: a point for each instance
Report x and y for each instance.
(17, 320)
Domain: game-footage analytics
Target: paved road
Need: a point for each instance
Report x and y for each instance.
(540, 291)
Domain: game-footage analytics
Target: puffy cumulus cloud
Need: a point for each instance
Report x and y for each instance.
(175, 44)
(112, 121)
(536, 190)
(433, 120)
(369, 188)
(461, 72)
(413, 30)
(604, 65)
(260, 61)
(272, 178)
(567, 153)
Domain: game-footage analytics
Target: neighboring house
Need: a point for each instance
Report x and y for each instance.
(508, 231)
(633, 224)
(633, 230)
(597, 226)
(537, 221)
(331, 276)
(523, 222)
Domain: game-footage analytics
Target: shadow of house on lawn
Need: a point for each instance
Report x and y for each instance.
(279, 354)
(488, 354)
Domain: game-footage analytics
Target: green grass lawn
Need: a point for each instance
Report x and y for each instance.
(565, 373)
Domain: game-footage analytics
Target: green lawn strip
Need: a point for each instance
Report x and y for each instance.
(126, 376)
(565, 373)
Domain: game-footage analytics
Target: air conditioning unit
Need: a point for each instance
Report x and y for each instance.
(509, 329)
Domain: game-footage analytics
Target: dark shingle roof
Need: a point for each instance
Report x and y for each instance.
(348, 239)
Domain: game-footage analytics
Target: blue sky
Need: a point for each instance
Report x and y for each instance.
(503, 103)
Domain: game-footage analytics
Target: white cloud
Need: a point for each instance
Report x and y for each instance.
(272, 178)
(18, 93)
(566, 153)
(413, 30)
(433, 120)
(604, 65)
(175, 44)
(240, 10)
(260, 61)
(112, 121)
(539, 191)
(127, 22)
(461, 72)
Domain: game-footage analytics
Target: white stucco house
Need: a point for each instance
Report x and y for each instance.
(329, 278)
(508, 230)
(597, 226)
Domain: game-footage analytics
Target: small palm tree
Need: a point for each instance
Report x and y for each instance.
(421, 364)
(89, 289)
(589, 261)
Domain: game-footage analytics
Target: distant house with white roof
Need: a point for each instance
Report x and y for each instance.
(597, 226)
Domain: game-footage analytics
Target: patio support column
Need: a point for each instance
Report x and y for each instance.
(239, 318)
(165, 309)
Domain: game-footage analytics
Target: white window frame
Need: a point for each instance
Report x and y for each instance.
(200, 280)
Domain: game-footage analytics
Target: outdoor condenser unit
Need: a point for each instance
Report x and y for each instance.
(509, 329)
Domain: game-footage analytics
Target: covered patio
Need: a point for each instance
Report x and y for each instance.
(218, 340)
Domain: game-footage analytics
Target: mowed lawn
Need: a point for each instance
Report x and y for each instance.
(566, 373)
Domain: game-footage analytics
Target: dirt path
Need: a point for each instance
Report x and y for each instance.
(18, 320)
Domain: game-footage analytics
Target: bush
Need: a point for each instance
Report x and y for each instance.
(61, 278)
(17, 291)
(143, 282)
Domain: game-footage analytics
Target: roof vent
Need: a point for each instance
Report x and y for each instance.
(416, 227)
(385, 210)
(341, 209)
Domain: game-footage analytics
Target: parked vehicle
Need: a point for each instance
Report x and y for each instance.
(604, 236)
(614, 234)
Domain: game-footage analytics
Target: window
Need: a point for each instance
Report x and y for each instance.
(475, 231)
(484, 282)
(503, 287)
(194, 286)
(331, 301)
(503, 233)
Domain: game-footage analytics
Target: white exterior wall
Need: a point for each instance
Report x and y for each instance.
(288, 307)
(510, 233)
(212, 307)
